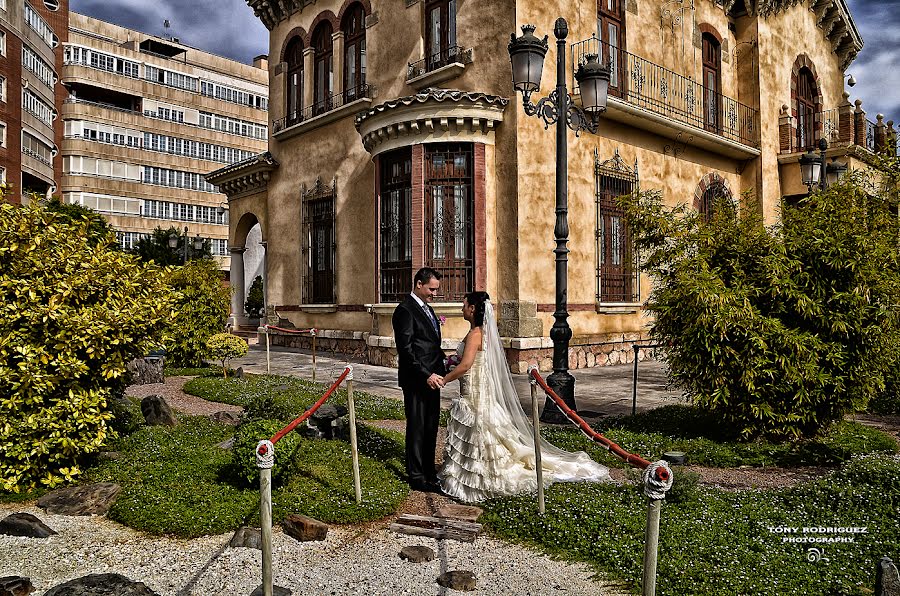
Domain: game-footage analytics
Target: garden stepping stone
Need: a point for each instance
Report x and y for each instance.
(417, 554)
(436, 527)
(157, 412)
(90, 499)
(276, 591)
(24, 524)
(225, 417)
(303, 528)
(101, 584)
(464, 581)
(462, 512)
(14, 585)
(246, 538)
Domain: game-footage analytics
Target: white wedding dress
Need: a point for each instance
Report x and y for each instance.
(490, 442)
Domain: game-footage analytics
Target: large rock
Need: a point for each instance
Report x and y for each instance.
(14, 585)
(157, 412)
(463, 581)
(246, 538)
(887, 579)
(325, 420)
(303, 528)
(226, 417)
(144, 371)
(417, 554)
(24, 524)
(90, 499)
(101, 584)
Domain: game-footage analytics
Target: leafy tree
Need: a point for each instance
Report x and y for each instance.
(74, 313)
(99, 230)
(202, 305)
(155, 247)
(254, 303)
(225, 346)
(777, 331)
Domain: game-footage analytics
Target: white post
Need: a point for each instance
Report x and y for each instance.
(658, 480)
(268, 355)
(265, 459)
(237, 284)
(537, 440)
(353, 445)
(313, 333)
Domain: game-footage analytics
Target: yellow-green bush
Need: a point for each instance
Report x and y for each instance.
(201, 308)
(224, 346)
(73, 314)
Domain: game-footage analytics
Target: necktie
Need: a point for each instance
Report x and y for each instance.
(431, 318)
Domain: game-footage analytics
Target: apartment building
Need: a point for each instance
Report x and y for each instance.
(31, 36)
(144, 118)
(398, 142)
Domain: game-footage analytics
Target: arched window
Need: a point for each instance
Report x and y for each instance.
(715, 191)
(294, 99)
(354, 28)
(324, 68)
(807, 107)
(712, 82)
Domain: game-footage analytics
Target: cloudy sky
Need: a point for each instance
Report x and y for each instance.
(228, 28)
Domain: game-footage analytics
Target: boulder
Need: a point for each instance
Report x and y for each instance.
(887, 579)
(227, 444)
(417, 554)
(144, 371)
(14, 585)
(157, 412)
(303, 528)
(90, 499)
(101, 584)
(246, 538)
(24, 524)
(325, 419)
(239, 373)
(226, 417)
(463, 581)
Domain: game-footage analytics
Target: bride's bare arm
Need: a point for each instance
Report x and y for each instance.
(473, 345)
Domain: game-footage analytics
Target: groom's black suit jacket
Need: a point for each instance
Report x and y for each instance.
(418, 345)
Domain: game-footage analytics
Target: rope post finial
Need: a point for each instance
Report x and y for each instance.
(350, 373)
(265, 454)
(532, 369)
(658, 480)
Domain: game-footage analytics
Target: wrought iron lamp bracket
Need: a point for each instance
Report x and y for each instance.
(546, 109)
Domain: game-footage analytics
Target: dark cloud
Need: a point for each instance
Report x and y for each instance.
(224, 27)
(879, 62)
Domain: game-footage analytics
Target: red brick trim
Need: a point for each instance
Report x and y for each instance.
(707, 28)
(418, 206)
(367, 8)
(480, 219)
(705, 183)
(295, 32)
(325, 15)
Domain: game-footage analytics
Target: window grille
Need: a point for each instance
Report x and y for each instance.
(618, 277)
(319, 243)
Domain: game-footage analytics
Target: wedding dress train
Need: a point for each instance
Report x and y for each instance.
(490, 442)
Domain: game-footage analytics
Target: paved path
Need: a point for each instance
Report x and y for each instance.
(599, 391)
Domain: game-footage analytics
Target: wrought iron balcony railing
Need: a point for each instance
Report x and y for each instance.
(814, 126)
(659, 90)
(324, 106)
(870, 135)
(448, 55)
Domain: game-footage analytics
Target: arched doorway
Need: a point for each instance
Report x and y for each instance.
(248, 260)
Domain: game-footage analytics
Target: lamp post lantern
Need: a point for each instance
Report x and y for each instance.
(527, 54)
(816, 171)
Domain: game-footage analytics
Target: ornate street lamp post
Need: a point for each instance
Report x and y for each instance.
(198, 244)
(527, 56)
(815, 171)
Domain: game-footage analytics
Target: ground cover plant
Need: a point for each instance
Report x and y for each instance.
(713, 542)
(693, 431)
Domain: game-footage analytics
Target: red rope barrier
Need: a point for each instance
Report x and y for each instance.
(577, 420)
(311, 329)
(280, 434)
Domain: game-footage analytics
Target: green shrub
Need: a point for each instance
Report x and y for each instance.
(247, 437)
(781, 331)
(225, 346)
(75, 312)
(254, 304)
(202, 306)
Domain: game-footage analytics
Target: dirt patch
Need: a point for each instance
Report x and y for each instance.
(172, 392)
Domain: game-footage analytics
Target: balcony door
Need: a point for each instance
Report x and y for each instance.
(440, 33)
(712, 82)
(324, 68)
(807, 107)
(611, 33)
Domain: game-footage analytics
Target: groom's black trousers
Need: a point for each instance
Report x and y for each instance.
(423, 409)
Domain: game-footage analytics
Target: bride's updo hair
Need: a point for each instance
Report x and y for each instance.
(478, 300)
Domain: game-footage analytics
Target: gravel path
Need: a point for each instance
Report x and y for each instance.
(172, 392)
(353, 560)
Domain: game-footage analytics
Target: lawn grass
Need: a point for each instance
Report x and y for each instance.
(719, 543)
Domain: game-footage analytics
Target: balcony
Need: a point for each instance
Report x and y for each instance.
(432, 70)
(324, 112)
(655, 98)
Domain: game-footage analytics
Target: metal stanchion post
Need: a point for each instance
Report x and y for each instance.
(353, 445)
(313, 333)
(634, 376)
(535, 416)
(268, 357)
(657, 481)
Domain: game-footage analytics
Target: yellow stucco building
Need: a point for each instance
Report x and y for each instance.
(398, 141)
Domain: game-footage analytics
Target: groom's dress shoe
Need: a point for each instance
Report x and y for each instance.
(421, 486)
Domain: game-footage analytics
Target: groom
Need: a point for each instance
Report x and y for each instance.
(418, 338)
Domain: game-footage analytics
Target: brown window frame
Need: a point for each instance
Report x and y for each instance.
(712, 72)
(293, 100)
(319, 243)
(618, 275)
(323, 68)
(807, 108)
(443, 50)
(354, 29)
(395, 224)
(611, 14)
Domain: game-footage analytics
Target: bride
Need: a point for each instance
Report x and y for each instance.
(490, 442)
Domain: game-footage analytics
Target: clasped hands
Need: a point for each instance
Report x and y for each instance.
(435, 381)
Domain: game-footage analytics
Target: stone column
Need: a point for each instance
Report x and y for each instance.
(859, 124)
(237, 286)
(268, 317)
(337, 52)
(309, 76)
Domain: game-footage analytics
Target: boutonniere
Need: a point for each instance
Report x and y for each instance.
(442, 319)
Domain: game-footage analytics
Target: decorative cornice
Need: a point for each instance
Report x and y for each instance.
(430, 111)
(244, 177)
(272, 12)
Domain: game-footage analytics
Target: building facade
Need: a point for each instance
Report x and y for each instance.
(390, 152)
(32, 34)
(144, 118)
